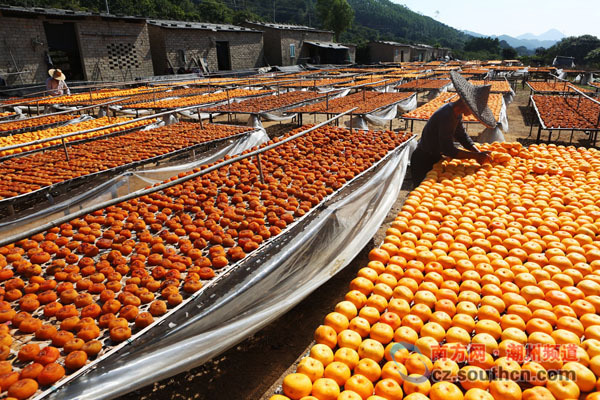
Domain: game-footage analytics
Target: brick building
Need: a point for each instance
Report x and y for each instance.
(178, 45)
(295, 44)
(386, 51)
(86, 46)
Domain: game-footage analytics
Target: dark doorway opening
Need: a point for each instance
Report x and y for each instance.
(63, 49)
(223, 56)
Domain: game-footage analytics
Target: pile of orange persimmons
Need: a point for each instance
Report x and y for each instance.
(199, 99)
(35, 171)
(267, 103)
(430, 84)
(425, 111)
(570, 112)
(33, 123)
(70, 294)
(30, 137)
(497, 86)
(487, 286)
(366, 102)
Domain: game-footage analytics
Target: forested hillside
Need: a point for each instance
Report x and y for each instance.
(396, 21)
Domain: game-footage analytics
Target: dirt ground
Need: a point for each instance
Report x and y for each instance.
(255, 367)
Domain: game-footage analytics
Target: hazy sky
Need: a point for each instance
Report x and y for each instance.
(513, 17)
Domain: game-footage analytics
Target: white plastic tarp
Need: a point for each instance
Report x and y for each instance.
(408, 104)
(254, 120)
(129, 182)
(490, 135)
(503, 120)
(263, 287)
(385, 115)
(131, 111)
(436, 92)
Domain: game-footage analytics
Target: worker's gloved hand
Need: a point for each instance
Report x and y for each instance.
(483, 156)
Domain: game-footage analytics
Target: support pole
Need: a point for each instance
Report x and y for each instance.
(200, 118)
(65, 149)
(260, 170)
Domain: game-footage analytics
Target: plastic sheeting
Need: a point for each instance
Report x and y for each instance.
(262, 287)
(254, 120)
(129, 182)
(383, 116)
(436, 92)
(490, 135)
(503, 119)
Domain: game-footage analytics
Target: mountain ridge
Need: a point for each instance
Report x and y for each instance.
(550, 34)
(527, 40)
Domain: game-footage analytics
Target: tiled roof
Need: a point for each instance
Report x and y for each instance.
(60, 12)
(287, 27)
(199, 25)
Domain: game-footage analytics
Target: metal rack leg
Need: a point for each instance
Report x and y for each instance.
(571, 138)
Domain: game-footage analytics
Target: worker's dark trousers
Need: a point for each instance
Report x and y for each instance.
(421, 163)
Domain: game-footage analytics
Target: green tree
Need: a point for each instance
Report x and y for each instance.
(336, 15)
(483, 44)
(214, 11)
(593, 57)
(509, 53)
(577, 47)
(239, 17)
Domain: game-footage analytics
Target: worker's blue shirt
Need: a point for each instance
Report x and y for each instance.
(441, 131)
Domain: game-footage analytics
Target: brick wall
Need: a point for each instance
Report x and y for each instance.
(110, 49)
(297, 38)
(381, 52)
(277, 43)
(114, 50)
(245, 48)
(18, 36)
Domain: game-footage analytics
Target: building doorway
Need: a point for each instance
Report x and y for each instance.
(223, 56)
(63, 49)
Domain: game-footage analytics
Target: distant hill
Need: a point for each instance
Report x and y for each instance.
(527, 40)
(396, 21)
(552, 34)
(373, 19)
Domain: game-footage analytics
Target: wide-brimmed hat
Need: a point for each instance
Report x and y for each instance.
(475, 97)
(52, 71)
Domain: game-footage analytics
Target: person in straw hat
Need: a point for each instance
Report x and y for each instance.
(56, 85)
(445, 127)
